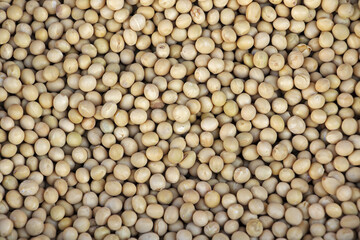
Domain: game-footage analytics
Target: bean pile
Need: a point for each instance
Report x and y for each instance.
(179, 119)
